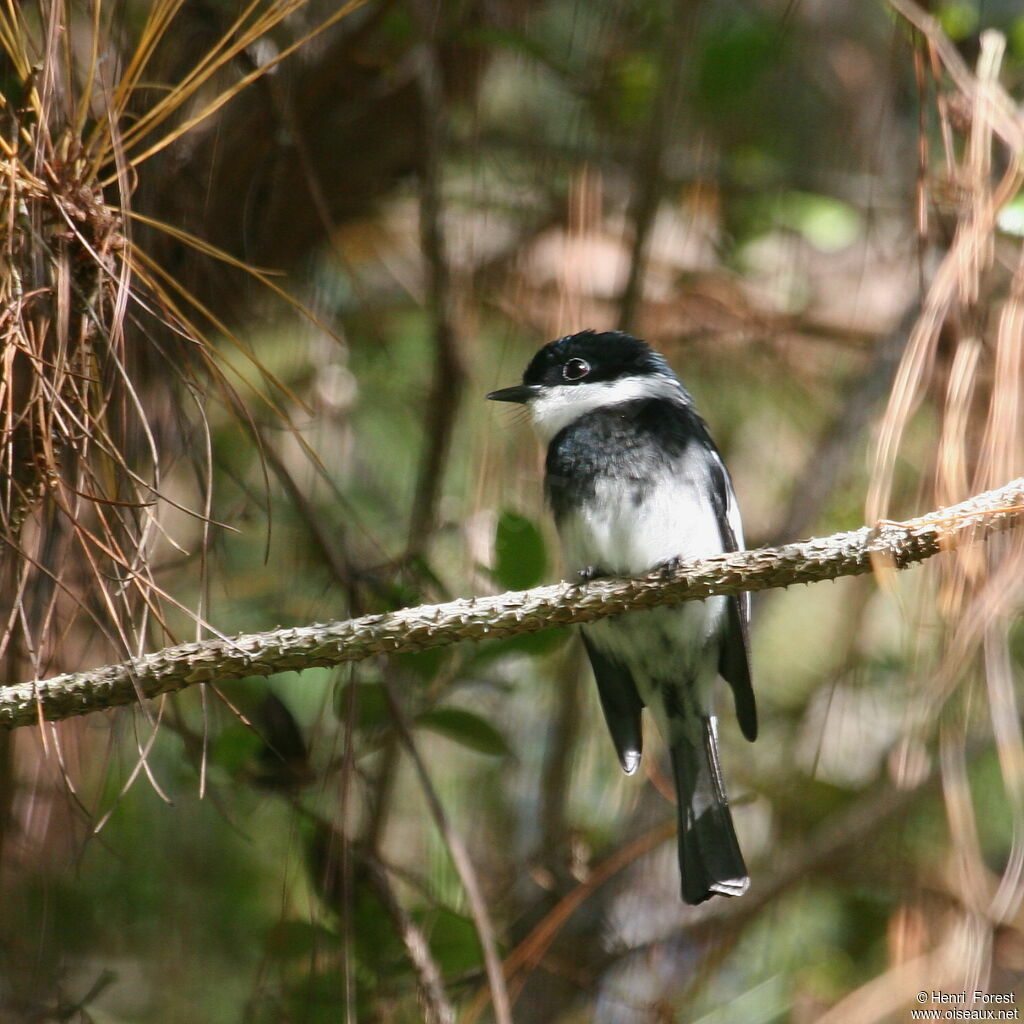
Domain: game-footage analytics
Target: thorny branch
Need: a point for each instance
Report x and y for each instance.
(887, 545)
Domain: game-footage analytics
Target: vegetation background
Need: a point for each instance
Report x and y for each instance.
(261, 263)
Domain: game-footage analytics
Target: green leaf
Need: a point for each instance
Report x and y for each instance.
(519, 553)
(521, 43)
(296, 939)
(534, 644)
(1016, 37)
(636, 77)
(424, 664)
(1011, 216)
(733, 60)
(371, 705)
(236, 747)
(827, 223)
(467, 728)
(453, 940)
(958, 18)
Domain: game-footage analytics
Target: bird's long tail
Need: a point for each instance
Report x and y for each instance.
(709, 854)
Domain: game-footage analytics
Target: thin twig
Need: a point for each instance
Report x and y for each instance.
(648, 174)
(437, 1009)
(887, 545)
(461, 862)
(559, 757)
(449, 378)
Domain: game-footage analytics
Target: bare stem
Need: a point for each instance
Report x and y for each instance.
(449, 377)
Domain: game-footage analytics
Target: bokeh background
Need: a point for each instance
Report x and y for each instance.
(262, 262)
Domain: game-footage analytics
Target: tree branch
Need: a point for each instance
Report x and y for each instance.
(889, 544)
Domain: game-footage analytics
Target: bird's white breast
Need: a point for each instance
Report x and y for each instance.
(619, 537)
(622, 537)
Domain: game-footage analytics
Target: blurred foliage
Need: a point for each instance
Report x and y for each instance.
(519, 557)
(272, 850)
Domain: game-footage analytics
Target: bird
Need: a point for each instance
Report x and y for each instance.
(635, 483)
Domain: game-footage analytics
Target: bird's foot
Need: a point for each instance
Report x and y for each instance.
(591, 572)
(669, 567)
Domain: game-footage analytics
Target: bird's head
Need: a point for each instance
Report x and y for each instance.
(582, 372)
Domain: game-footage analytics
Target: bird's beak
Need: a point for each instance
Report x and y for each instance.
(520, 393)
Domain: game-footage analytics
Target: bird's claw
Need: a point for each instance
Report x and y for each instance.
(669, 567)
(591, 572)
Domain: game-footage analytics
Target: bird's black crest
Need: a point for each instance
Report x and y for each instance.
(610, 354)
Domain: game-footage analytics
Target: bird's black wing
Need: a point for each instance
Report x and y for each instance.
(621, 705)
(734, 660)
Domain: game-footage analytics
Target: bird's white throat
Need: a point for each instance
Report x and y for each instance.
(556, 407)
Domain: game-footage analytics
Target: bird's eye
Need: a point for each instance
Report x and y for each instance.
(575, 369)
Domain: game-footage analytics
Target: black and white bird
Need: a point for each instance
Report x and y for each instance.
(635, 482)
